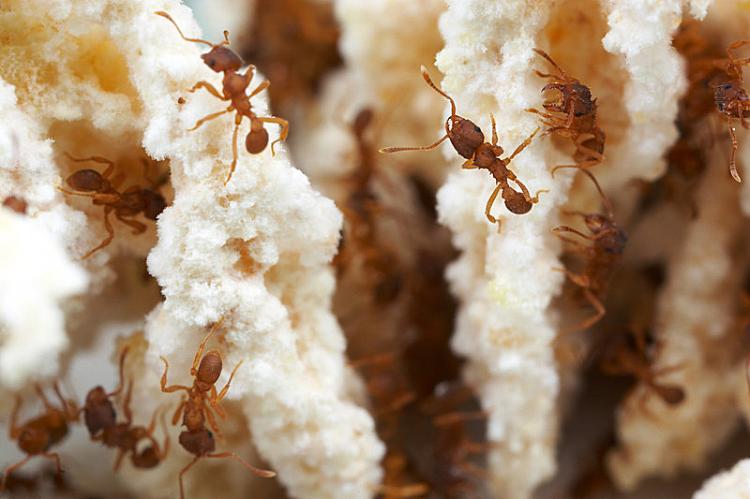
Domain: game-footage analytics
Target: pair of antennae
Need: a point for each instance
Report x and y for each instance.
(196, 40)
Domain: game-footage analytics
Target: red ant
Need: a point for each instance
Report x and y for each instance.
(608, 243)
(732, 100)
(197, 407)
(222, 59)
(103, 192)
(634, 360)
(100, 418)
(468, 141)
(37, 436)
(16, 204)
(572, 115)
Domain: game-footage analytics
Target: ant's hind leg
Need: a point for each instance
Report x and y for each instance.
(13, 429)
(284, 124)
(10, 469)
(490, 202)
(138, 227)
(209, 118)
(233, 165)
(56, 458)
(108, 239)
(182, 473)
(257, 471)
(732, 156)
(211, 89)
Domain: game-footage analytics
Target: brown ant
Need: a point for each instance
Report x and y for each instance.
(468, 141)
(103, 192)
(624, 358)
(37, 436)
(16, 204)
(222, 59)
(196, 408)
(572, 115)
(608, 242)
(732, 101)
(101, 421)
(395, 468)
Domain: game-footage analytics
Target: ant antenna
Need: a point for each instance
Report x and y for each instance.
(546, 56)
(427, 78)
(123, 354)
(197, 40)
(605, 199)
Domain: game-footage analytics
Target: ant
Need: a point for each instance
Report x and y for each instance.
(16, 204)
(36, 436)
(395, 468)
(572, 115)
(197, 407)
(100, 418)
(608, 243)
(732, 101)
(624, 358)
(468, 141)
(222, 59)
(103, 192)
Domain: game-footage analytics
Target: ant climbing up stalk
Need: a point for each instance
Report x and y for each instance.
(222, 59)
(468, 141)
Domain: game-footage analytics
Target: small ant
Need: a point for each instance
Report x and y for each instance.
(572, 115)
(100, 418)
(608, 243)
(222, 59)
(395, 468)
(468, 141)
(36, 436)
(16, 204)
(103, 192)
(732, 101)
(197, 407)
(634, 360)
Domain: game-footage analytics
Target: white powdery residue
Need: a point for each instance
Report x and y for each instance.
(641, 33)
(731, 484)
(504, 281)
(693, 326)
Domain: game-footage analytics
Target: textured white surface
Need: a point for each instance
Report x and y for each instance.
(731, 484)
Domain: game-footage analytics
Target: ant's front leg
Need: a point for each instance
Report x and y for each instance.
(163, 383)
(210, 88)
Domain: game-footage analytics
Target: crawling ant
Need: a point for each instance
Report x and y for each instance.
(624, 358)
(222, 59)
(608, 242)
(101, 421)
(395, 466)
(196, 408)
(468, 141)
(732, 101)
(16, 204)
(103, 191)
(572, 114)
(38, 435)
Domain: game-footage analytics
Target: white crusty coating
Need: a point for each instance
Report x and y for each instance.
(731, 484)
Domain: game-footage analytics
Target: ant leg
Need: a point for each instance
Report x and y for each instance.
(182, 473)
(165, 445)
(257, 471)
(201, 348)
(732, 160)
(178, 412)
(67, 409)
(565, 228)
(12, 468)
(284, 124)
(523, 145)
(494, 130)
(163, 384)
(459, 417)
(224, 390)
(108, 239)
(13, 429)
(403, 491)
(259, 89)
(138, 227)
(96, 159)
(118, 460)
(397, 404)
(55, 457)
(121, 383)
(45, 400)
(581, 166)
(490, 202)
(212, 423)
(469, 164)
(735, 46)
(526, 194)
(597, 304)
(209, 117)
(126, 404)
(233, 165)
(210, 88)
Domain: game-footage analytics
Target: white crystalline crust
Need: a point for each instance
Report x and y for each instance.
(36, 273)
(731, 484)
(255, 252)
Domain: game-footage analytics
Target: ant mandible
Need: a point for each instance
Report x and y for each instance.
(608, 243)
(196, 408)
(222, 59)
(732, 101)
(468, 141)
(571, 115)
(103, 192)
(36, 436)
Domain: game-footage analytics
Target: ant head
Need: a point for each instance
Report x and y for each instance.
(96, 396)
(257, 138)
(221, 58)
(465, 136)
(153, 203)
(86, 180)
(209, 369)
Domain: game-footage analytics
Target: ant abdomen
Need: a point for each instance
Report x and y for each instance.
(516, 202)
(256, 140)
(197, 442)
(147, 458)
(86, 180)
(153, 203)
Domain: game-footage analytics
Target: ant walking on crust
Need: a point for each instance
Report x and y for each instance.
(222, 59)
(468, 141)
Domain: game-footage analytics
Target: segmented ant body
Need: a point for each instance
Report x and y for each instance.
(196, 408)
(631, 358)
(571, 115)
(37, 436)
(16, 204)
(601, 257)
(103, 191)
(101, 421)
(732, 101)
(222, 59)
(468, 141)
